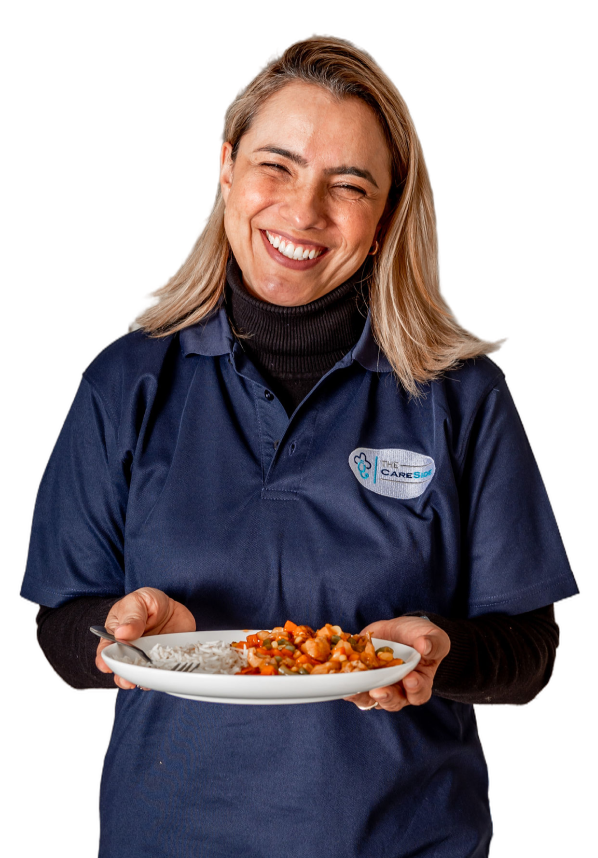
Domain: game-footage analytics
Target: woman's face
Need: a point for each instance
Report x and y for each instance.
(313, 172)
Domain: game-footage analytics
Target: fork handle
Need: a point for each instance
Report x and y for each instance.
(102, 632)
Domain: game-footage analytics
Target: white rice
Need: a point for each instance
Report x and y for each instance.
(210, 657)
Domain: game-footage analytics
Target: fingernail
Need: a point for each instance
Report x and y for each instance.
(410, 683)
(428, 647)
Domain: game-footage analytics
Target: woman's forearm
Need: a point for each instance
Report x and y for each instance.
(64, 636)
(496, 658)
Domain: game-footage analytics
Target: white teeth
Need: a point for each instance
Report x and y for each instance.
(291, 251)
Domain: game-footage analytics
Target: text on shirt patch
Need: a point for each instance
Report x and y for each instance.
(393, 473)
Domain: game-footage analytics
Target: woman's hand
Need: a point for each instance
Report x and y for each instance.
(143, 612)
(416, 688)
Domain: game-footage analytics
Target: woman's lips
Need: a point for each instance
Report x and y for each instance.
(297, 264)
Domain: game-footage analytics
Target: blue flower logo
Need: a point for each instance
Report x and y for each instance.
(363, 465)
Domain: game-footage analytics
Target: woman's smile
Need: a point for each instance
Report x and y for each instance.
(298, 256)
(305, 193)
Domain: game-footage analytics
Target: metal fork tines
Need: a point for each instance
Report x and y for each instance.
(185, 666)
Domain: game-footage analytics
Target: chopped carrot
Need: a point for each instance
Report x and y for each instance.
(268, 670)
(307, 659)
(253, 640)
(290, 626)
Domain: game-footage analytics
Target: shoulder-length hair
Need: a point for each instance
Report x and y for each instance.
(410, 320)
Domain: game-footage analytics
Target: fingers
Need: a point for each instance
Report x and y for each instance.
(414, 690)
(100, 663)
(391, 698)
(362, 701)
(124, 683)
(103, 667)
(417, 688)
(418, 632)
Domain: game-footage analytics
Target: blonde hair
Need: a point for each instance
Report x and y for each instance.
(411, 322)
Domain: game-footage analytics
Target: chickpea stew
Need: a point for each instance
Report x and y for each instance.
(293, 650)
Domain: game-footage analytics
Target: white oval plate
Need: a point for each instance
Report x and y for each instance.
(253, 690)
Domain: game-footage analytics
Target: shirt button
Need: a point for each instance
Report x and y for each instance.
(269, 396)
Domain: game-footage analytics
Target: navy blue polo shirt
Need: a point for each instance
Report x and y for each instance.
(178, 468)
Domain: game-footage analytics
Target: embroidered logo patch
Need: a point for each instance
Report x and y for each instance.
(394, 473)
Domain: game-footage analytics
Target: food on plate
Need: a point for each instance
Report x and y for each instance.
(288, 650)
(293, 650)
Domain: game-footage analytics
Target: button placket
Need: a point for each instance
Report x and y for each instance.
(285, 474)
(273, 421)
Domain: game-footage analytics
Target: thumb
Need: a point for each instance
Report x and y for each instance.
(424, 645)
(433, 647)
(130, 629)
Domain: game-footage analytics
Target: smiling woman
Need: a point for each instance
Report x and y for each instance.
(299, 429)
(305, 193)
(320, 150)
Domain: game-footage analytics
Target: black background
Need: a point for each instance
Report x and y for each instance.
(117, 175)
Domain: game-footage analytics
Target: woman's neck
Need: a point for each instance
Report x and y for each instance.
(295, 346)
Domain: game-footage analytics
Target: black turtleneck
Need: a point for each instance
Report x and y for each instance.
(293, 347)
(494, 658)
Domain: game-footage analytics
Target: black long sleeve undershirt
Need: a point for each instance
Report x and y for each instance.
(494, 658)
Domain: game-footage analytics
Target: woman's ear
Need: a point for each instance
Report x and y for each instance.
(226, 170)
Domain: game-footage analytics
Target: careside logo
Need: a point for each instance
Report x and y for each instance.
(395, 473)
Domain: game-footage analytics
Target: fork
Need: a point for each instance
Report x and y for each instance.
(180, 667)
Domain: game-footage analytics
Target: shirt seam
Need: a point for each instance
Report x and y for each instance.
(483, 396)
(502, 600)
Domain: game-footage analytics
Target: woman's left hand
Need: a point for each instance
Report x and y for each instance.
(416, 688)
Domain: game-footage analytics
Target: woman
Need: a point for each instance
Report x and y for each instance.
(300, 430)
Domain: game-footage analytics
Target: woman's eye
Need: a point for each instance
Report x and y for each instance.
(275, 166)
(350, 191)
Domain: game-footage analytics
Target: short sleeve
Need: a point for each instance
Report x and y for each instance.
(77, 539)
(513, 554)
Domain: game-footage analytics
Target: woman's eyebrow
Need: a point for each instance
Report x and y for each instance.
(343, 170)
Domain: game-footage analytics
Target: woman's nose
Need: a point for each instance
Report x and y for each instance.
(303, 208)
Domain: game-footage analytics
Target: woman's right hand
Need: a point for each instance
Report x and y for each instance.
(146, 611)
